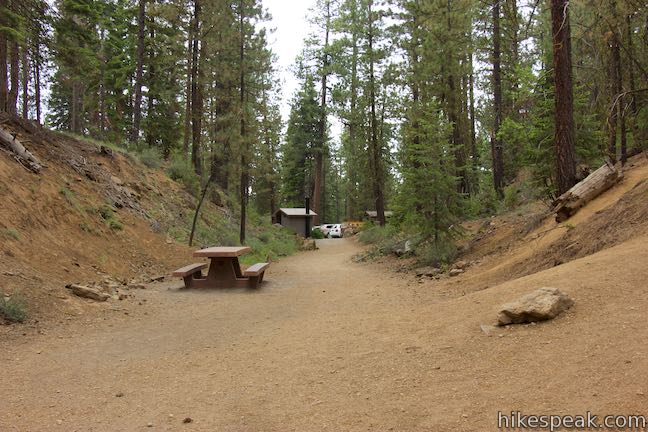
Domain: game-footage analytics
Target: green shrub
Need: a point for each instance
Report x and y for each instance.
(106, 212)
(436, 253)
(67, 194)
(14, 308)
(375, 234)
(115, 225)
(151, 158)
(182, 171)
(511, 197)
(11, 233)
(317, 234)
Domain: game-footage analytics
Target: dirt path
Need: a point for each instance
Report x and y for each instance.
(328, 344)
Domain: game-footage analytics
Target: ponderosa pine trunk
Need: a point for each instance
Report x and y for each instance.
(564, 102)
(4, 73)
(37, 90)
(473, 129)
(631, 82)
(496, 142)
(12, 102)
(244, 167)
(376, 153)
(196, 93)
(613, 79)
(25, 84)
(319, 151)
(353, 123)
(186, 138)
(139, 71)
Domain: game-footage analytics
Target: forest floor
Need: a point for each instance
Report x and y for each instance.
(328, 344)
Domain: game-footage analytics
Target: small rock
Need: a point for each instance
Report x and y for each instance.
(308, 245)
(640, 393)
(187, 420)
(541, 305)
(120, 394)
(91, 293)
(461, 265)
(455, 272)
(157, 278)
(116, 180)
(149, 424)
(427, 271)
(487, 329)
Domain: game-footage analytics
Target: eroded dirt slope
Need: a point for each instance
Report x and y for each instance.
(87, 216)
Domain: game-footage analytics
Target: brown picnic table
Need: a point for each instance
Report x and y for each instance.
(224, 269)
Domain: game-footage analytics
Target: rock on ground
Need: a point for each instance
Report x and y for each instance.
(308, 244)
(91, 293)
(428, 271)
(541, 305)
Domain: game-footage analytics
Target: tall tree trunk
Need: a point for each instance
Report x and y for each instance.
(151, 134)
(319, 151)
(37, 89)
(564, 109)
(75, 125)
(244, 144)
(376, 152)
(139, 71)
(12, 103)
(473, 130)
(353, 123)
(186, 138)
(496, 142)
(4, 73)
(196, 92)
(631, 81)
(25, 84)
(454, 110)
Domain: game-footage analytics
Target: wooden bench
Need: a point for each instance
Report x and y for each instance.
(190, 272)
(255, 273)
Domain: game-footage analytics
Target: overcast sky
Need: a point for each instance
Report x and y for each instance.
(291, 28)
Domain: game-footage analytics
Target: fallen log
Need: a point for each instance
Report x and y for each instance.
(24, 156)
(592, 186)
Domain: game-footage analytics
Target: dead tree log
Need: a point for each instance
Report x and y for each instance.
(24, 156)
(580, 194)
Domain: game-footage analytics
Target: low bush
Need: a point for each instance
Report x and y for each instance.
(317, 234)
(14, 308)
(436, 253)
(181, 170)
(150, 157)
(10, 233)
(375, 234)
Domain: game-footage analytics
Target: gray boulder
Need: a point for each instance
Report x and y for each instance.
(541, 305)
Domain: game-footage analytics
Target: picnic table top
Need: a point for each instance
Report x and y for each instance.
(222, 251)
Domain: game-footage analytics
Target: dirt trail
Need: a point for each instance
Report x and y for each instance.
(327, 344)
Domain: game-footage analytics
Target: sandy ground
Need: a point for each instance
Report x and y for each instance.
(328, 344)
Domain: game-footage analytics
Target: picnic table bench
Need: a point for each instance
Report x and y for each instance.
(224, 269)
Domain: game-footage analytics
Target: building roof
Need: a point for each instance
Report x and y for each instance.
(373, 213)
(296, 212)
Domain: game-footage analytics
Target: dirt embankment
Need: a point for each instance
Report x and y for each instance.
(520, 244)
(88, 216)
